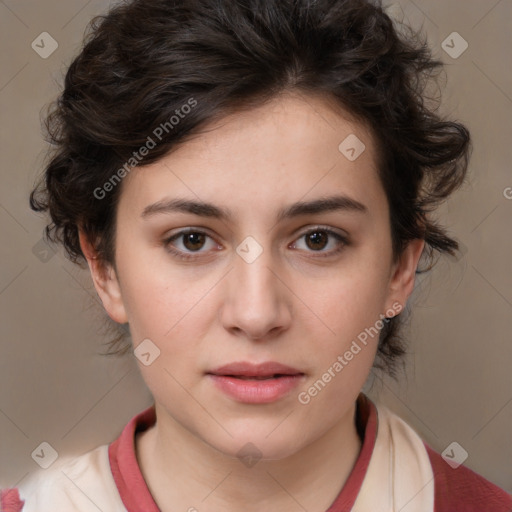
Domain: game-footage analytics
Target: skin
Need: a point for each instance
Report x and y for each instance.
(290, 305)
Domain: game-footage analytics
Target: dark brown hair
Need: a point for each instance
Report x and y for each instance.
(146, 59)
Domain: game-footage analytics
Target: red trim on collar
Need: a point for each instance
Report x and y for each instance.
(10, 500)
(130, 483)
(367, 416)
(135, 494)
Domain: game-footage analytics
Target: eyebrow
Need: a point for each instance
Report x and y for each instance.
(204, 209)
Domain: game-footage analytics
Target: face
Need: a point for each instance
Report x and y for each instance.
(290, 263)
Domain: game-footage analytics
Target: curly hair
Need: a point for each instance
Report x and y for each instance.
(145, 59)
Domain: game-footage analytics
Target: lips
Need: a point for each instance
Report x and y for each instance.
(247, 371)
(256, 383)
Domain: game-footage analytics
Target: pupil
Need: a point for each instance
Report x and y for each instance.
(317, 237)
(193, 240)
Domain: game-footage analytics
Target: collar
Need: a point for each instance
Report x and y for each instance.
(135, 494)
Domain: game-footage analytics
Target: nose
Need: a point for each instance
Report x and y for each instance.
(257, 303)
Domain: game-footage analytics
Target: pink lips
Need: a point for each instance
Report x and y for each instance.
(256, 383)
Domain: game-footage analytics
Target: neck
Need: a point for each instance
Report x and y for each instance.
(184, 473)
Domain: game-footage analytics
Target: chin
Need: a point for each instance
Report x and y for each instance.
(258, 445)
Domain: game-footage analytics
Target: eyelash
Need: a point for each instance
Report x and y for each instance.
(191, 256)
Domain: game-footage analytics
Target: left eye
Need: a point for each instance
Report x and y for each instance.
(316, 240)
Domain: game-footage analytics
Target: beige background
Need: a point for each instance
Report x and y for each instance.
(54, 386)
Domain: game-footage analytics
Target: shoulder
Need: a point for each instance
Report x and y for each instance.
(81, 484)
(463, 489)
(453, 490)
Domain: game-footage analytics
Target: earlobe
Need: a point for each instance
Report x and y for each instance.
(105, 281)
(403, 277)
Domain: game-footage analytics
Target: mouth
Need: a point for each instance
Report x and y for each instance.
(256, 383)
(255, 371)
(255, 377)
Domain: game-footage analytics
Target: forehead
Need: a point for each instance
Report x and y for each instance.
(286, 149)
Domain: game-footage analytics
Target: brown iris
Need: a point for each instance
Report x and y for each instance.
(317, 239)
(193, 241)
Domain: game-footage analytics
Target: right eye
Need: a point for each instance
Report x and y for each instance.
(192, 241)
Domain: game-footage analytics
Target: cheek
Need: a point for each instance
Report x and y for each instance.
(176, 323)
(163, 313)
(346, 323)
(156, 294)
(347, 300)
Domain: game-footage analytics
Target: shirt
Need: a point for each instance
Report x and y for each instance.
(395, 471)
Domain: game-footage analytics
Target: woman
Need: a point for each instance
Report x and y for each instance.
(251, 185)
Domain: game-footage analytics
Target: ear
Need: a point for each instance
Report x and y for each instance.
(105, 281)
(403, 274)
